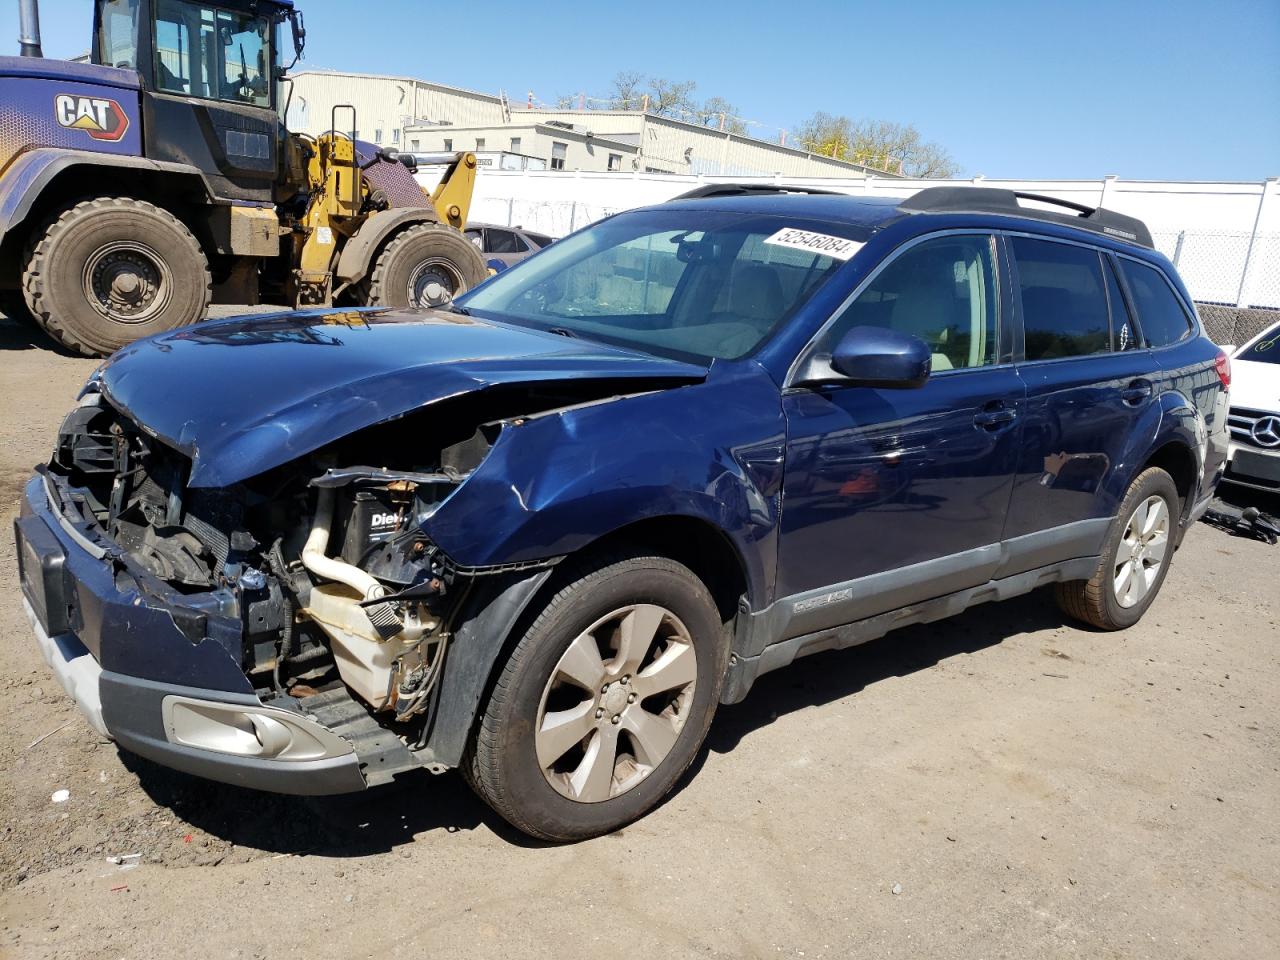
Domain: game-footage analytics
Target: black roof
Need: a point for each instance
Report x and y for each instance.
(995, 200)
(870, 211)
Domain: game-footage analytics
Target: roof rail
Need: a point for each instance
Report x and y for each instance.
(745, 190)
(996, 200)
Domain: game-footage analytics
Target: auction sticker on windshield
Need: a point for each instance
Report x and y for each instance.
(837, 248)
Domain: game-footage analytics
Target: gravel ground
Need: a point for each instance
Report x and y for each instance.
(998, 785)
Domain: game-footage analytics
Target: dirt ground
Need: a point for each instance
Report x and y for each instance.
(999, 785)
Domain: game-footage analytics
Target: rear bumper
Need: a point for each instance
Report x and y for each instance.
(133, 661)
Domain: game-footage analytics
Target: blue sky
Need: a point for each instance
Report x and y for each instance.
(1175, 90)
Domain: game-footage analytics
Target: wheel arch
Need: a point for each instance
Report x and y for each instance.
(495, 625)
(689, 540)
(48, 181)
(362, 250)
(1176, 458)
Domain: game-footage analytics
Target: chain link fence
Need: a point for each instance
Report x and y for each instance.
(1231, 268)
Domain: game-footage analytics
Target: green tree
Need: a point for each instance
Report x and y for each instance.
(882, 144)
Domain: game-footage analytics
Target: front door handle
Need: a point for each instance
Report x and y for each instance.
(994, 415)
(1136, 392)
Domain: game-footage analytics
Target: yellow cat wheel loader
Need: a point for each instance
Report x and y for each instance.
(140, 187)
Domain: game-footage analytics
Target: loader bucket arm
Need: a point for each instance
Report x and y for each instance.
(452, 196)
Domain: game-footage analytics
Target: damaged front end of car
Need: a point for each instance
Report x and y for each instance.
(244, 583)
(315, 579)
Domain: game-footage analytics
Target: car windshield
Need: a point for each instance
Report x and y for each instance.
(691, 284)
(1266, 349)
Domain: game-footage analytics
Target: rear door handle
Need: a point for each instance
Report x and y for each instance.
(994, 415)
(1136, 392)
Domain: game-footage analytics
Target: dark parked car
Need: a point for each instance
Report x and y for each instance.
(505, 246)
(542, 534)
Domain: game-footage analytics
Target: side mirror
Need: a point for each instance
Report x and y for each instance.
(299, 31)
(871, 357)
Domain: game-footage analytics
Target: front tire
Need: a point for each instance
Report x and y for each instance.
(1135, 557)
(426, 265)
(111, 270)
(603, 703)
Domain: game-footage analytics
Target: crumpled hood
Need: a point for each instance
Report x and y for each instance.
(243, 395)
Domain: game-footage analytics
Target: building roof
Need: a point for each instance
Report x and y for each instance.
(699, 128)
(326, 71)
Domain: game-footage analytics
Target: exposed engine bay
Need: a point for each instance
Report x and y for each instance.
(323, 559)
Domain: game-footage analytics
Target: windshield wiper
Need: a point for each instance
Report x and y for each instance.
(454, 308)
(563, 332)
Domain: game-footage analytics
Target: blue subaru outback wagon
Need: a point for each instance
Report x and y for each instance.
(541, 534)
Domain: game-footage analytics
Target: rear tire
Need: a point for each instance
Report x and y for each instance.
(603, 703)
(1135, 557)
(111, 270)
(426, 265)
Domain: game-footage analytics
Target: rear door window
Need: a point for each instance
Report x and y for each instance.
(1161, 315)
(504, 241)
(1064, 303)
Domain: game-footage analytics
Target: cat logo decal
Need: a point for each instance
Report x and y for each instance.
(100, 118)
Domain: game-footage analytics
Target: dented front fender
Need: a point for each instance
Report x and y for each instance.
(556, 482)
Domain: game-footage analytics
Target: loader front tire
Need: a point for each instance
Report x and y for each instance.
(111, 270)
(426, 265)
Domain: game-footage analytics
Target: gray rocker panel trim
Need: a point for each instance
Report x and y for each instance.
(744, 671)
(853, 600)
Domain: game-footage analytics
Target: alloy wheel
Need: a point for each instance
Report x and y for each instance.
(1141, 552)
(615, 703)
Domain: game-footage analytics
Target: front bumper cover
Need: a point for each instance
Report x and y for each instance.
(154, 675)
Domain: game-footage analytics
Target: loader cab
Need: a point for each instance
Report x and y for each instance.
(210, 84)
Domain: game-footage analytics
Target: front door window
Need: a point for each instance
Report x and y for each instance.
(942, 291)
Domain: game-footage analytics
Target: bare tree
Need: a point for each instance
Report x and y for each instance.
(720, 113)
(628, 90)
(671, 98)
(883, 144)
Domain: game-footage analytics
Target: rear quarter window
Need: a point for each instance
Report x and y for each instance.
(1161, 316)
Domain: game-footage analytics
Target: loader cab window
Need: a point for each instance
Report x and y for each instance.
(117, 41)
(212, 54)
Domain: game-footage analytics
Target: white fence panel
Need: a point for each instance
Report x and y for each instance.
(1224, 237)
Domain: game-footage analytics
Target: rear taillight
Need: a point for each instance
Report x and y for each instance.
(1222, 363)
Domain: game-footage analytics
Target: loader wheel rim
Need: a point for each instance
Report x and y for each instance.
(127, 282)
(434, 282)
(616, 703)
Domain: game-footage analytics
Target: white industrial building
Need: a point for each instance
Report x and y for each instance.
(422, 117)
(385, 106)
